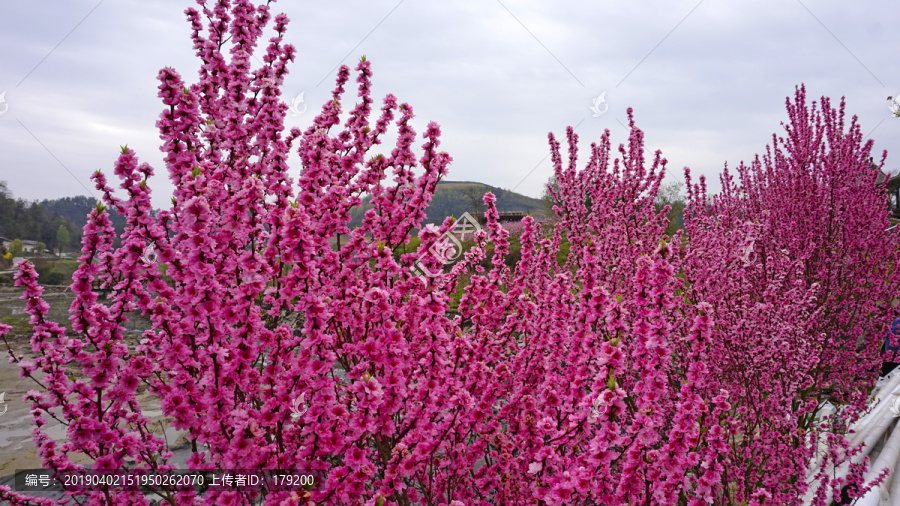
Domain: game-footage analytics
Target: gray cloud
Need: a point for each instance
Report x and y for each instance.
(497, 76)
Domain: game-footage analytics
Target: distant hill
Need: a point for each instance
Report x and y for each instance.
(457, 197)
(73, 208)
(30, 221)
(77, 209)
(453, 198)
(40, 221)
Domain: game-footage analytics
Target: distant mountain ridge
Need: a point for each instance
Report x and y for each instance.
(453, 198)
(40, 220)
(457, 197)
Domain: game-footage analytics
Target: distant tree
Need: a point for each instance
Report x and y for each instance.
(672, 194)
(73, 213)
(40, 221)
(550, 200)
(41, 248)
(62, 238)
(547, 197)
(55, 278)
(7, 211)
(474, 198)
(16, 247)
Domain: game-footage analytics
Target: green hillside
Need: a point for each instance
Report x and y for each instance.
(453, 198)
(40, 221)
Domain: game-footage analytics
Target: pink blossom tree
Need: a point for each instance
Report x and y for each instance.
(642, 369)
(593, 369)
(794, 258)
(366, 374)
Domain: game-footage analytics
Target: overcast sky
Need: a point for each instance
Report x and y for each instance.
(707, 80)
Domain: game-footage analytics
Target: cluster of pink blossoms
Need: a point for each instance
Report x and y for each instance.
(639, 369)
